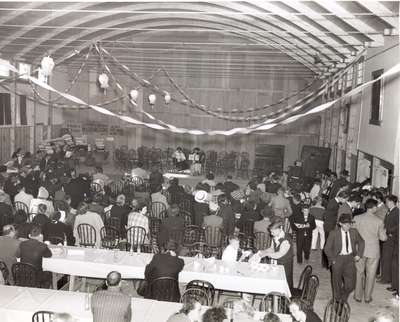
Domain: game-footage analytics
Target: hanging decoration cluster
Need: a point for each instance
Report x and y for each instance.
(297, 112)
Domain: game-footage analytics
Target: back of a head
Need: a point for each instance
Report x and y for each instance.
(210, 176)
(139, 164)
(36, 231)
(214, 314)
(343, 194)
(55, 216)
(222, 199)
(113, 278)
(99, 169)
(371, 203)
(8, 230)
(174, 210)
(271, 317)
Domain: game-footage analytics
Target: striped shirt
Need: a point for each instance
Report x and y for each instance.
(111, 306)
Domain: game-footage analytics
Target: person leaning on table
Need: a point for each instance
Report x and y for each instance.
(281, 250)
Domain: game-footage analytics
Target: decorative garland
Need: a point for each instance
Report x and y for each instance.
(256, 127)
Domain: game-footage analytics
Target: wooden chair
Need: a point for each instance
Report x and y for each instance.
(116, 188)
(310, 292)
(192, 235)
(154, 226)
(42, 316)
(96, 187)
(176, 235)
(187, 216)
(247, 227)
(303, 281)
(275, 302)
(205, 286)
(337, 311)
(109, 237)
(114, 222)
(165, 289)
(262, 240)
(158, 210)
(25, 274)
(5, 272)
(136, 236)
(197, 294)
(213, 236)
(21, 206)
(185, 204)
(87, 235)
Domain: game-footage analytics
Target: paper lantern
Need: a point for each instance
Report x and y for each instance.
(167, 98)
(47, 65)
(134, 94)
(152, 99)
(103, 80)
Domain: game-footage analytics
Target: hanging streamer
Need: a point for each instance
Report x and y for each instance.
(256, 127)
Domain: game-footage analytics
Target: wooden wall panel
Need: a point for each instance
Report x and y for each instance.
(5, 144)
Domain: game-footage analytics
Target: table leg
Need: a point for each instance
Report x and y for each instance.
(71, 283)
(54, 278)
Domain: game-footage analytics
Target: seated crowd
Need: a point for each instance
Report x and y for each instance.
(43, 200)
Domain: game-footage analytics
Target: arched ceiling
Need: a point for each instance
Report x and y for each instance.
(309, 37)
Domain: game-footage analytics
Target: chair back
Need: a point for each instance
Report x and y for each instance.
(187, 216)
(21, 206)
(135, 236)
(247, 227)
(113, 222)
(246, 241)
(304, 277)
(95, 187)
(87, 235)
(5, 272)
(158, 210)
(196, 294)
(137, 181)
(310, 292)
(337, 311)
(42, 316)
(109, 237)
(24, 274)
(165, 289)
(262, 240)
(213, 236)
(185, 204)
(55, 240)
(275, 302)
(203, 285)
(192, 235)
(116, 188)
(154, 226)
(176, 235)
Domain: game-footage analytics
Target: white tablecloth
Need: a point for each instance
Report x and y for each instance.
(97, 263)
(17, 304)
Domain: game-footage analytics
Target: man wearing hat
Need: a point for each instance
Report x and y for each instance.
(281, 250)
(344, 248)
(200, 207)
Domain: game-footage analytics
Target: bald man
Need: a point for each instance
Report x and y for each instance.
(111, 305)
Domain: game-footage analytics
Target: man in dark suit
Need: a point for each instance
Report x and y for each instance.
(170, 224)
(111, 305)
(9, 248)
(32, 252)
(303, 224)
(330, 219)
(344, 248)
(166, 264)
(390, 248)
(227, 214)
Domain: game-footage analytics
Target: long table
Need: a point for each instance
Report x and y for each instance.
(239, 277)
(20, 303)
